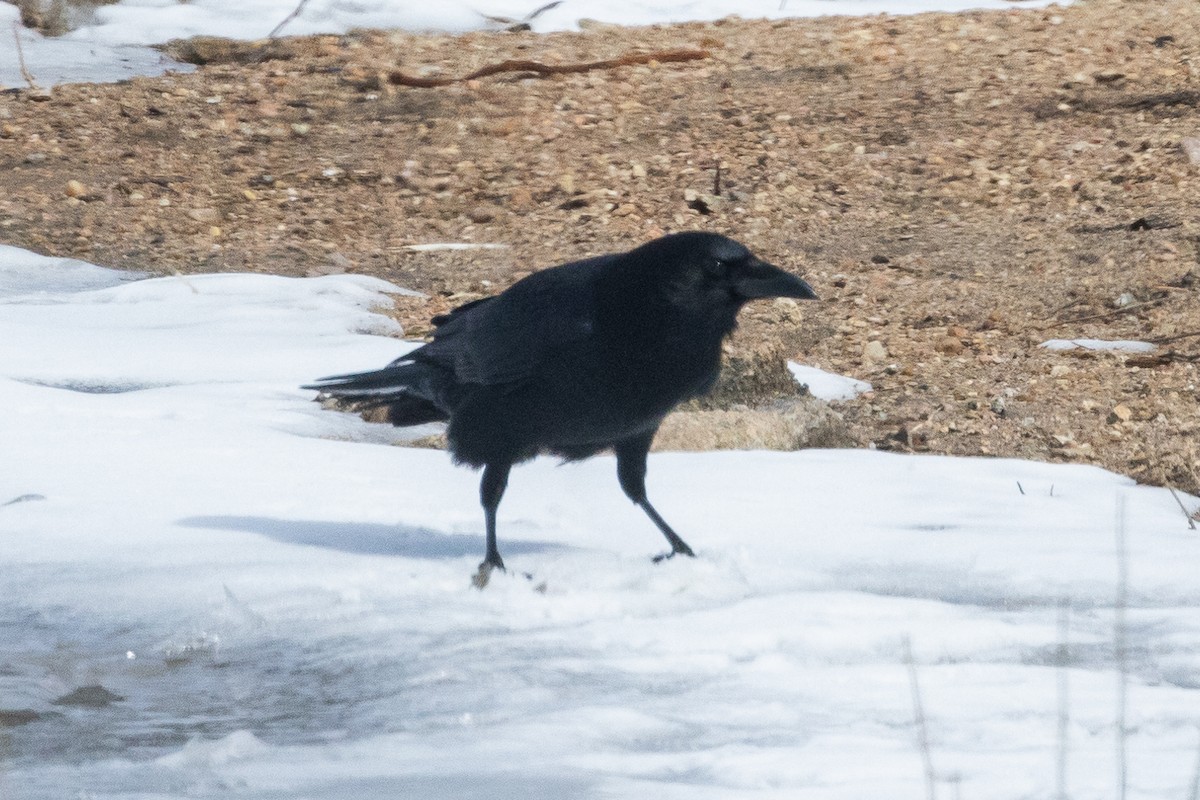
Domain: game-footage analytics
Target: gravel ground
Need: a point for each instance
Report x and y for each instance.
(958, 189)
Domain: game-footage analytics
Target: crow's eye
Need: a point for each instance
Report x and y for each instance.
(718, 268)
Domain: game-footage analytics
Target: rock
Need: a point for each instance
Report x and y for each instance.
(1120, 413)
(94, 696)
(482, 213)
(950, 345)
(874, 353)
(18, 716)
(1191, 148)
(76, 189)
(208, 216)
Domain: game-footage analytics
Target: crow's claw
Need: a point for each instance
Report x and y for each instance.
(480, 579)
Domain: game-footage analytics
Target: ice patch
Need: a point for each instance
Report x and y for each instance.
(26, 273)
(1119, 345)
(827, 385)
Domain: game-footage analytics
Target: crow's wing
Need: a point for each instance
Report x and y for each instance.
(507, 338)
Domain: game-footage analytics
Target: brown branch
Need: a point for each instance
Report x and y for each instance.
(1116, 312)
(1175, 338)
(629, 59)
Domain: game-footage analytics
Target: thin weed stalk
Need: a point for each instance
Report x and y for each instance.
(919, 720)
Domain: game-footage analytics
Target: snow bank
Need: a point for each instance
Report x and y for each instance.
(287, 613)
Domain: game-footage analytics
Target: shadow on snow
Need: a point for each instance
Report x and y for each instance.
(364, 538)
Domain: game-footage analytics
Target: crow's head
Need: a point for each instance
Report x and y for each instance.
(713, 271)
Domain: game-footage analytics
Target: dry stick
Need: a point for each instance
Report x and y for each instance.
(1064, 707)
(1119, 648)
(1106, 314)
(919, 720)
(295, 13)
(21, 58)
(1183, 508)
(1175, 338)
(629, 59)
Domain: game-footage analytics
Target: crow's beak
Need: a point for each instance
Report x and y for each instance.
(766, 280)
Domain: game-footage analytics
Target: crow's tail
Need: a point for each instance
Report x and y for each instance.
(413, 392)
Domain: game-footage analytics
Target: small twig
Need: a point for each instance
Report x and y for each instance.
(523, 24)
(1020, 488)
(717, 180)
(1120, 650)
(1066, 306)
(629, 59)
(1186, 514)
(295, 13)
(186, 282)
(919, 720)
(1064, 706)
(25, 498)
(21, 58)
(1106, 314)
(1175, 338)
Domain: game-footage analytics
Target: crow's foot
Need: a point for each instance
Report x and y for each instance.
(682, 551)
(480, 579)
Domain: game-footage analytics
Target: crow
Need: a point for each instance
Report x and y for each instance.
(573, 360)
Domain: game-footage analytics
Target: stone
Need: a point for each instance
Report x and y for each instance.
(874, 352)
(481, 213)
(950, 345)
(1191, 148)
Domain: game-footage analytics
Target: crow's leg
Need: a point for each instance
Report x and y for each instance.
(631, 471)
(491, 489)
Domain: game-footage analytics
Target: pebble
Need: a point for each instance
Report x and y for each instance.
(481, 213)
(874, 352)
(1191, 148)
(950, 345)
(205, 215)
(76, 189)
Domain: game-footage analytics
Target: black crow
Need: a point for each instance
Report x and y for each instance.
(576, 359)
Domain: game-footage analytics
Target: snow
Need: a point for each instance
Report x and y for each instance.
(1120, 345)
(282, 597)
(116, 44)
(827, 385)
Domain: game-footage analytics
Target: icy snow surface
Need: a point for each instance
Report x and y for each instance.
(282, 598)
(115, 45)
(1119, 345)
(827, 385)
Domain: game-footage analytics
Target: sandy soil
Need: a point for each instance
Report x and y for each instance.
(957, 188)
